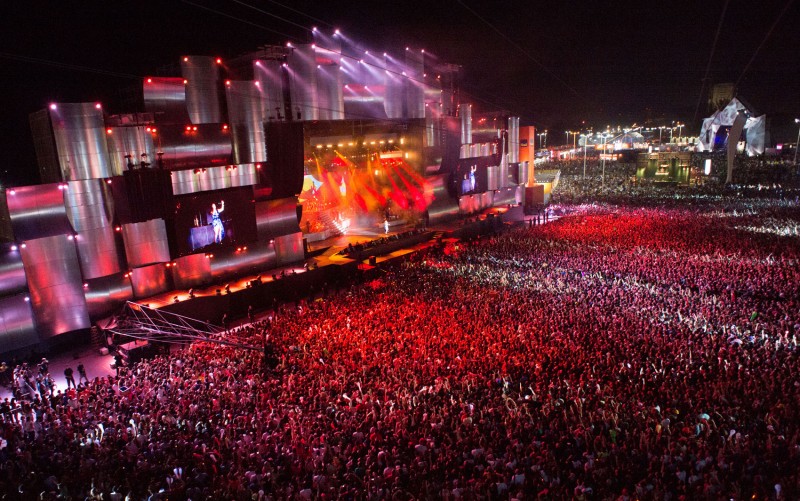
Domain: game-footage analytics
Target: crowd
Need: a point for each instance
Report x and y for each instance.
(624, 352)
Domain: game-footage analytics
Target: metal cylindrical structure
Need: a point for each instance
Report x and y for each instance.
(466, 123)
(201, 74)
(80, 137)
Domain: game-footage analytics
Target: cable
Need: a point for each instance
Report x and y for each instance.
(67, 66)
(710, 58)
(236, 18)
(271, 15)
(521, 49)
(766, 37)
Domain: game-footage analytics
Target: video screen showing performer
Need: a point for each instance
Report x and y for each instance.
(222, 218)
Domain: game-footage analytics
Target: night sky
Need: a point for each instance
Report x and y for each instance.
(555, 64)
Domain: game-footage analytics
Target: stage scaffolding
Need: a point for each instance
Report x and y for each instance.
(141, 322)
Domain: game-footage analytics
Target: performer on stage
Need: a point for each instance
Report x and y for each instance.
(216, 222)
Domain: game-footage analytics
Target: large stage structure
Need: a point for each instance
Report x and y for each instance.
(228, 168)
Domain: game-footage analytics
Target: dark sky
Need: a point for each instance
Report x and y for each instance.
(556, 64)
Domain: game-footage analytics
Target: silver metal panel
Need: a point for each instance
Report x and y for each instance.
(415, 89)
(289, 249)
(276, 217)
(17, 329)
(191, 271)
(55, 284)
(493, 177)
(201, 74)
(505, 196)
(213, 178)
(165, 97)
(247, 117)
(38, 211)
(80, 140)
(149, 280)
(329, 92)
(145, 243)
(465, 110)
(513, 139)
(268, 75)
(363, 101)
(97, 252)
(302, 67)
(395, 87)
(486, 199)
(89, 204)
(104, 295)
(12, 272)
(134, 141)
(195, 146)
(523, 173)
(254, 260)
(443, 207)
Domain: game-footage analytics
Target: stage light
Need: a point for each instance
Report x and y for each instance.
(185, 81)
(407, 48)
(27, 298)
(319, 66)
(258, 84)
(194, 129)
(85, 286)
(188, 127)
(97, 106)
(314, 29)
(109, 131)
(258, 166)
(289, 44)
(118, 228)
(228, 83)
(366, 53)
(285, 65)
(22, 246)
(313, 46)
(337, 32)
(225, 127)
(384, 54)
(13, 247)
(53, 106)
(185, 59)
(70, 237)
(219, 60)
(422, 51)
(149, 80)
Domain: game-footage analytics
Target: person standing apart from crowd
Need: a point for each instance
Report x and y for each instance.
(68, 376)
(82, 374)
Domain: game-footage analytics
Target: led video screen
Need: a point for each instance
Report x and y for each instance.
(214, 220)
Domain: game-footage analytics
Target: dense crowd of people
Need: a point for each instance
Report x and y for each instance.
(624, 352)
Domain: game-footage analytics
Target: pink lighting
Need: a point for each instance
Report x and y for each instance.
(97, 106)
(149, 80)
(53, 106)
(219, 60)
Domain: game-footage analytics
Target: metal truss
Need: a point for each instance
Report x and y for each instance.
(142, 322)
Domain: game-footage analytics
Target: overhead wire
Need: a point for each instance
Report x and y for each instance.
(763, 41)
(710, 58)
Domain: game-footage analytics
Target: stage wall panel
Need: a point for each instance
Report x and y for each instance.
(201, 74)
(106, 294)
(80, 140)
(88, 204)
(12, 272)
(97, 251)
(289, 249)
(146, 242)
(17, 329)
(191, 271)
(38, 211)
(257, 258)
(185, 182)
(276, 217)
(56, 286)
(149, 280)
